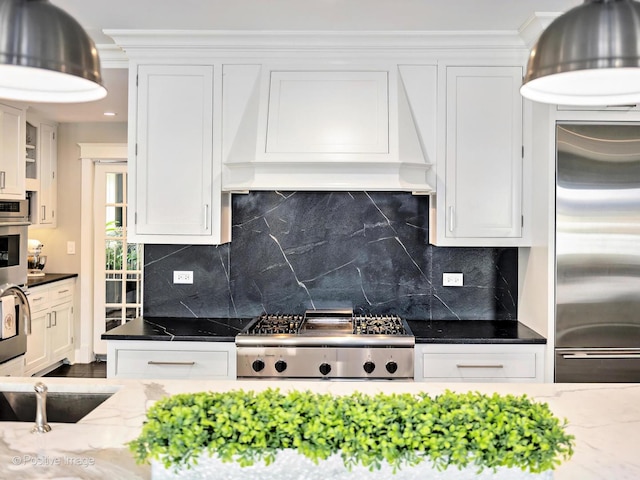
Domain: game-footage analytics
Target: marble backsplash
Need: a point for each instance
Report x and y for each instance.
(292, 251)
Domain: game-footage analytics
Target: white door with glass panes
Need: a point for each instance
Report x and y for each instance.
(117, 264)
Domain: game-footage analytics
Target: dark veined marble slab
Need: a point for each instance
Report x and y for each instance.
(473, 331)
(179, 329)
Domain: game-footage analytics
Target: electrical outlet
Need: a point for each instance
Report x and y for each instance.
(71, 247)
(182, 276)
(452, 280)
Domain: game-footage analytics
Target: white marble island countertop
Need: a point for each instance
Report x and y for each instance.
(605, 419)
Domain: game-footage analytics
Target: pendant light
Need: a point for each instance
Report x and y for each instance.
(45, 55)
(588, 56)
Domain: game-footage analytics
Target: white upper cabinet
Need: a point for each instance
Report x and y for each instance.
(357, 127)
(48, 155)
(41, 170)
(422, 112)
(174, 172)
(479, 200)
(12, 153)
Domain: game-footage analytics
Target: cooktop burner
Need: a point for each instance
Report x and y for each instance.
(269, 324)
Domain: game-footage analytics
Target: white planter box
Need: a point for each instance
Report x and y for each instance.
(289, 465)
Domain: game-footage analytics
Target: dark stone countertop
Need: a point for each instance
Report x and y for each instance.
(49, 278)
(179, 329)
(473, 331)
(225, 330)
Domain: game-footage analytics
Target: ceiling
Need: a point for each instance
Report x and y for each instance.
(418, 15)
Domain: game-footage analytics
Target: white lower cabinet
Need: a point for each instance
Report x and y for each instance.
(51, 338)
(479, 362)
(171, 360)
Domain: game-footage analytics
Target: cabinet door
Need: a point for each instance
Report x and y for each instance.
(12, 153)
(37, 356)
(483, 153)
(48, 158)
(172, 190)
(61, 330)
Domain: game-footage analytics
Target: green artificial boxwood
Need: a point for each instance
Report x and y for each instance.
(461, 429)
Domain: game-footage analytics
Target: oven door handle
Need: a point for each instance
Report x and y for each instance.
(600, 355)
(12, 289)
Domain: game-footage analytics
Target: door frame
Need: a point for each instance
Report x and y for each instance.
(90, 153)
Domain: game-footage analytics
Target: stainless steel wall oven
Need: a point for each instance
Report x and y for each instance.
(15, 314)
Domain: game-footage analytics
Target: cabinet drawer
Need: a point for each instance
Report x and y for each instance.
(38, 299)
(479, 366)
(171, 364)
(61, 291)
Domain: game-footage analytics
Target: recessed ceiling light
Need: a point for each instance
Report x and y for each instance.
(110, 114)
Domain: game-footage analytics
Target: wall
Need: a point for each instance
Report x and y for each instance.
(298, 250)
(69, 191)
(69, 222)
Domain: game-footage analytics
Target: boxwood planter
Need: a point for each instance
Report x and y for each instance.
(243, 434)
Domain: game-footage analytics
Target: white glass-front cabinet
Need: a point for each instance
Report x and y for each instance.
(41, 170)
(479, 199)
(174, 167)
(12, 153)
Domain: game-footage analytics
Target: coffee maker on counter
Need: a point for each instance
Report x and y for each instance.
(35, 260)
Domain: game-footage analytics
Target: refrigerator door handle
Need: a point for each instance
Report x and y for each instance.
(600, 355)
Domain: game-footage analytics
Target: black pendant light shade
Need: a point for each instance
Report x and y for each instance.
(45, 55)
(588, 56)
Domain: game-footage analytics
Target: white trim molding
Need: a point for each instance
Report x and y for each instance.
(89, 152)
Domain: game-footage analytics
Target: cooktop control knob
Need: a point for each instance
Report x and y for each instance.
(325, 368)
(369, 367)
(257, 365)
(281, 366)
(391, 366)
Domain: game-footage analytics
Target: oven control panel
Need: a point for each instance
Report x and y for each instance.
(326, 363)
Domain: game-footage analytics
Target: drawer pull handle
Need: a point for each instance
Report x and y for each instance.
(151, 362)
(63, 291)
(600, 356)
(459, 365)
(37, 299)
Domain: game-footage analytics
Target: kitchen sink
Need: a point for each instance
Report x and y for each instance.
(62, 407)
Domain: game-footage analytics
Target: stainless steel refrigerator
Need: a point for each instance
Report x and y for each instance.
(597, 253)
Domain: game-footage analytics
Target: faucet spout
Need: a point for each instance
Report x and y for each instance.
(41, 425)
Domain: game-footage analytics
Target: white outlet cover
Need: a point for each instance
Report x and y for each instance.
(183, 276)
(452, 280)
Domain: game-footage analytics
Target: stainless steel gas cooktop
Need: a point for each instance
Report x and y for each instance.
(331, 344)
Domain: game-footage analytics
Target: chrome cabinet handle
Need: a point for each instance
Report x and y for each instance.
(55, 319)
(206, 216)
(63, 291)
(3, 179)
(599, 356)
(460, 365)
(48, 320)
(152, 362)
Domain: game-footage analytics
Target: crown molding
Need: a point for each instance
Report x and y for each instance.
(535, 25)
(112, 56)
(143, 42)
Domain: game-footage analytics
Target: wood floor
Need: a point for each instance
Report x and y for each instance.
(81, 370)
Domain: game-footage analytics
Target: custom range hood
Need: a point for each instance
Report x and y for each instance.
(328, 128)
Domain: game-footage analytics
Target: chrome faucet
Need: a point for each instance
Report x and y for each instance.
(41, 425)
